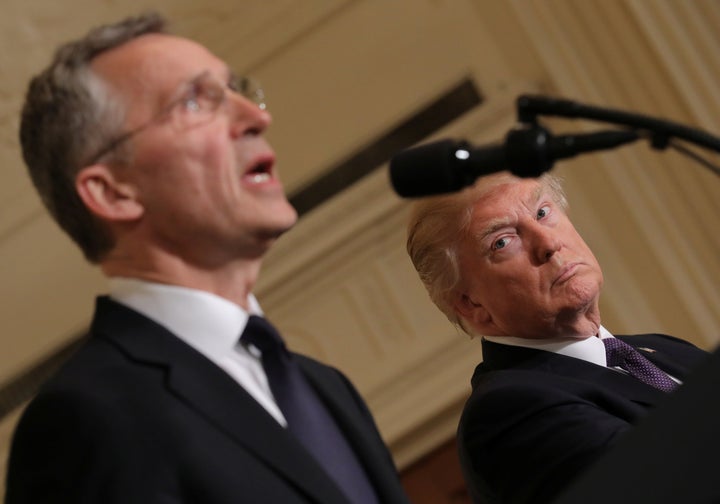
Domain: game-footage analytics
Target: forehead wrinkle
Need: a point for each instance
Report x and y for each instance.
(151, 52)
(497, 223)
(538, 193)
(493, 225)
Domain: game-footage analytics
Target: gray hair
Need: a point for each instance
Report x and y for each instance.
(437, 227)
(68, 115)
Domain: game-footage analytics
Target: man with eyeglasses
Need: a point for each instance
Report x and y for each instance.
(149, 152)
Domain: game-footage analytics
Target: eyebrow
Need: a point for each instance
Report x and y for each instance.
(493, 226)
(184, 85)
(500, 222)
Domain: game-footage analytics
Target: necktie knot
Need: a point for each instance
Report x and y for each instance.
(622, 355)
(262, 334)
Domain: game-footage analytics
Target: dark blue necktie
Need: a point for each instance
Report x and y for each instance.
(307, 417)
(625, 356)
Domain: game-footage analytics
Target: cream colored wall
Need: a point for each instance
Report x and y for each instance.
(340, 72)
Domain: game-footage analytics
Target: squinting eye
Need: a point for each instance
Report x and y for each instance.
(191, 101)
(203, 96)
(191, 104)
(499, 244)
(543, 212)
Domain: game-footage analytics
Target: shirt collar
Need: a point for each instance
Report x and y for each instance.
(590, 349)
(207, 322)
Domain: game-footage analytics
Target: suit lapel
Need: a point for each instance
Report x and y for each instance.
(621, 383)
(498, 356)
(250, 425)
(213, 394)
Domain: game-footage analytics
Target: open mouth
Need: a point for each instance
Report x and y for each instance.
(261, 172)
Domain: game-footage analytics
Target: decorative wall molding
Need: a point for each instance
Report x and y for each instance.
(340, 72)
(655, 58)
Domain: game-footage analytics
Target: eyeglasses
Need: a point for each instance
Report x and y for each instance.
(196, 104)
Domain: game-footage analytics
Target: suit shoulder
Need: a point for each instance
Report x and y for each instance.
(650, 339)
(319, 371)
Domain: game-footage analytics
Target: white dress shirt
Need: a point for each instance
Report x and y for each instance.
(210, 324)
(590, 349)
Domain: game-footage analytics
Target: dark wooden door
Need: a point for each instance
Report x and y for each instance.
(436, 478)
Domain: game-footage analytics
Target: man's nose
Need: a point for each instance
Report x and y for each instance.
(545, 244)
(247, 118)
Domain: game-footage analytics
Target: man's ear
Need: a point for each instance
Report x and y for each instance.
(105, 196)
(473, 313)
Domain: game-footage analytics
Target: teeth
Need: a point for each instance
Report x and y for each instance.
(257, 178)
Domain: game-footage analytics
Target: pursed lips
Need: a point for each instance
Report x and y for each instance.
(566, 272)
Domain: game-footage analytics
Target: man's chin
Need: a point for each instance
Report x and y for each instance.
(580, 293)
(275, 231)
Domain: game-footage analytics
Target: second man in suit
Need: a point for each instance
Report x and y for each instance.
(555, 389)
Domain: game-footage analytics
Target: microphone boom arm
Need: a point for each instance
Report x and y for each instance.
(531, 150)
(530, 106)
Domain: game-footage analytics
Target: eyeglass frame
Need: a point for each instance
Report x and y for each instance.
(245, 86)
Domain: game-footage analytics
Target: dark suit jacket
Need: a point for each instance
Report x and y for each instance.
(138, 416)
(536, 419)
(669, 457)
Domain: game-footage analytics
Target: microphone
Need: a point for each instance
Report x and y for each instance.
(448, 166)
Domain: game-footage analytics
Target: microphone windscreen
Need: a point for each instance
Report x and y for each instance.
(426, 170)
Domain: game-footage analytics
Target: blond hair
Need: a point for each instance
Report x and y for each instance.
(439, 224)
